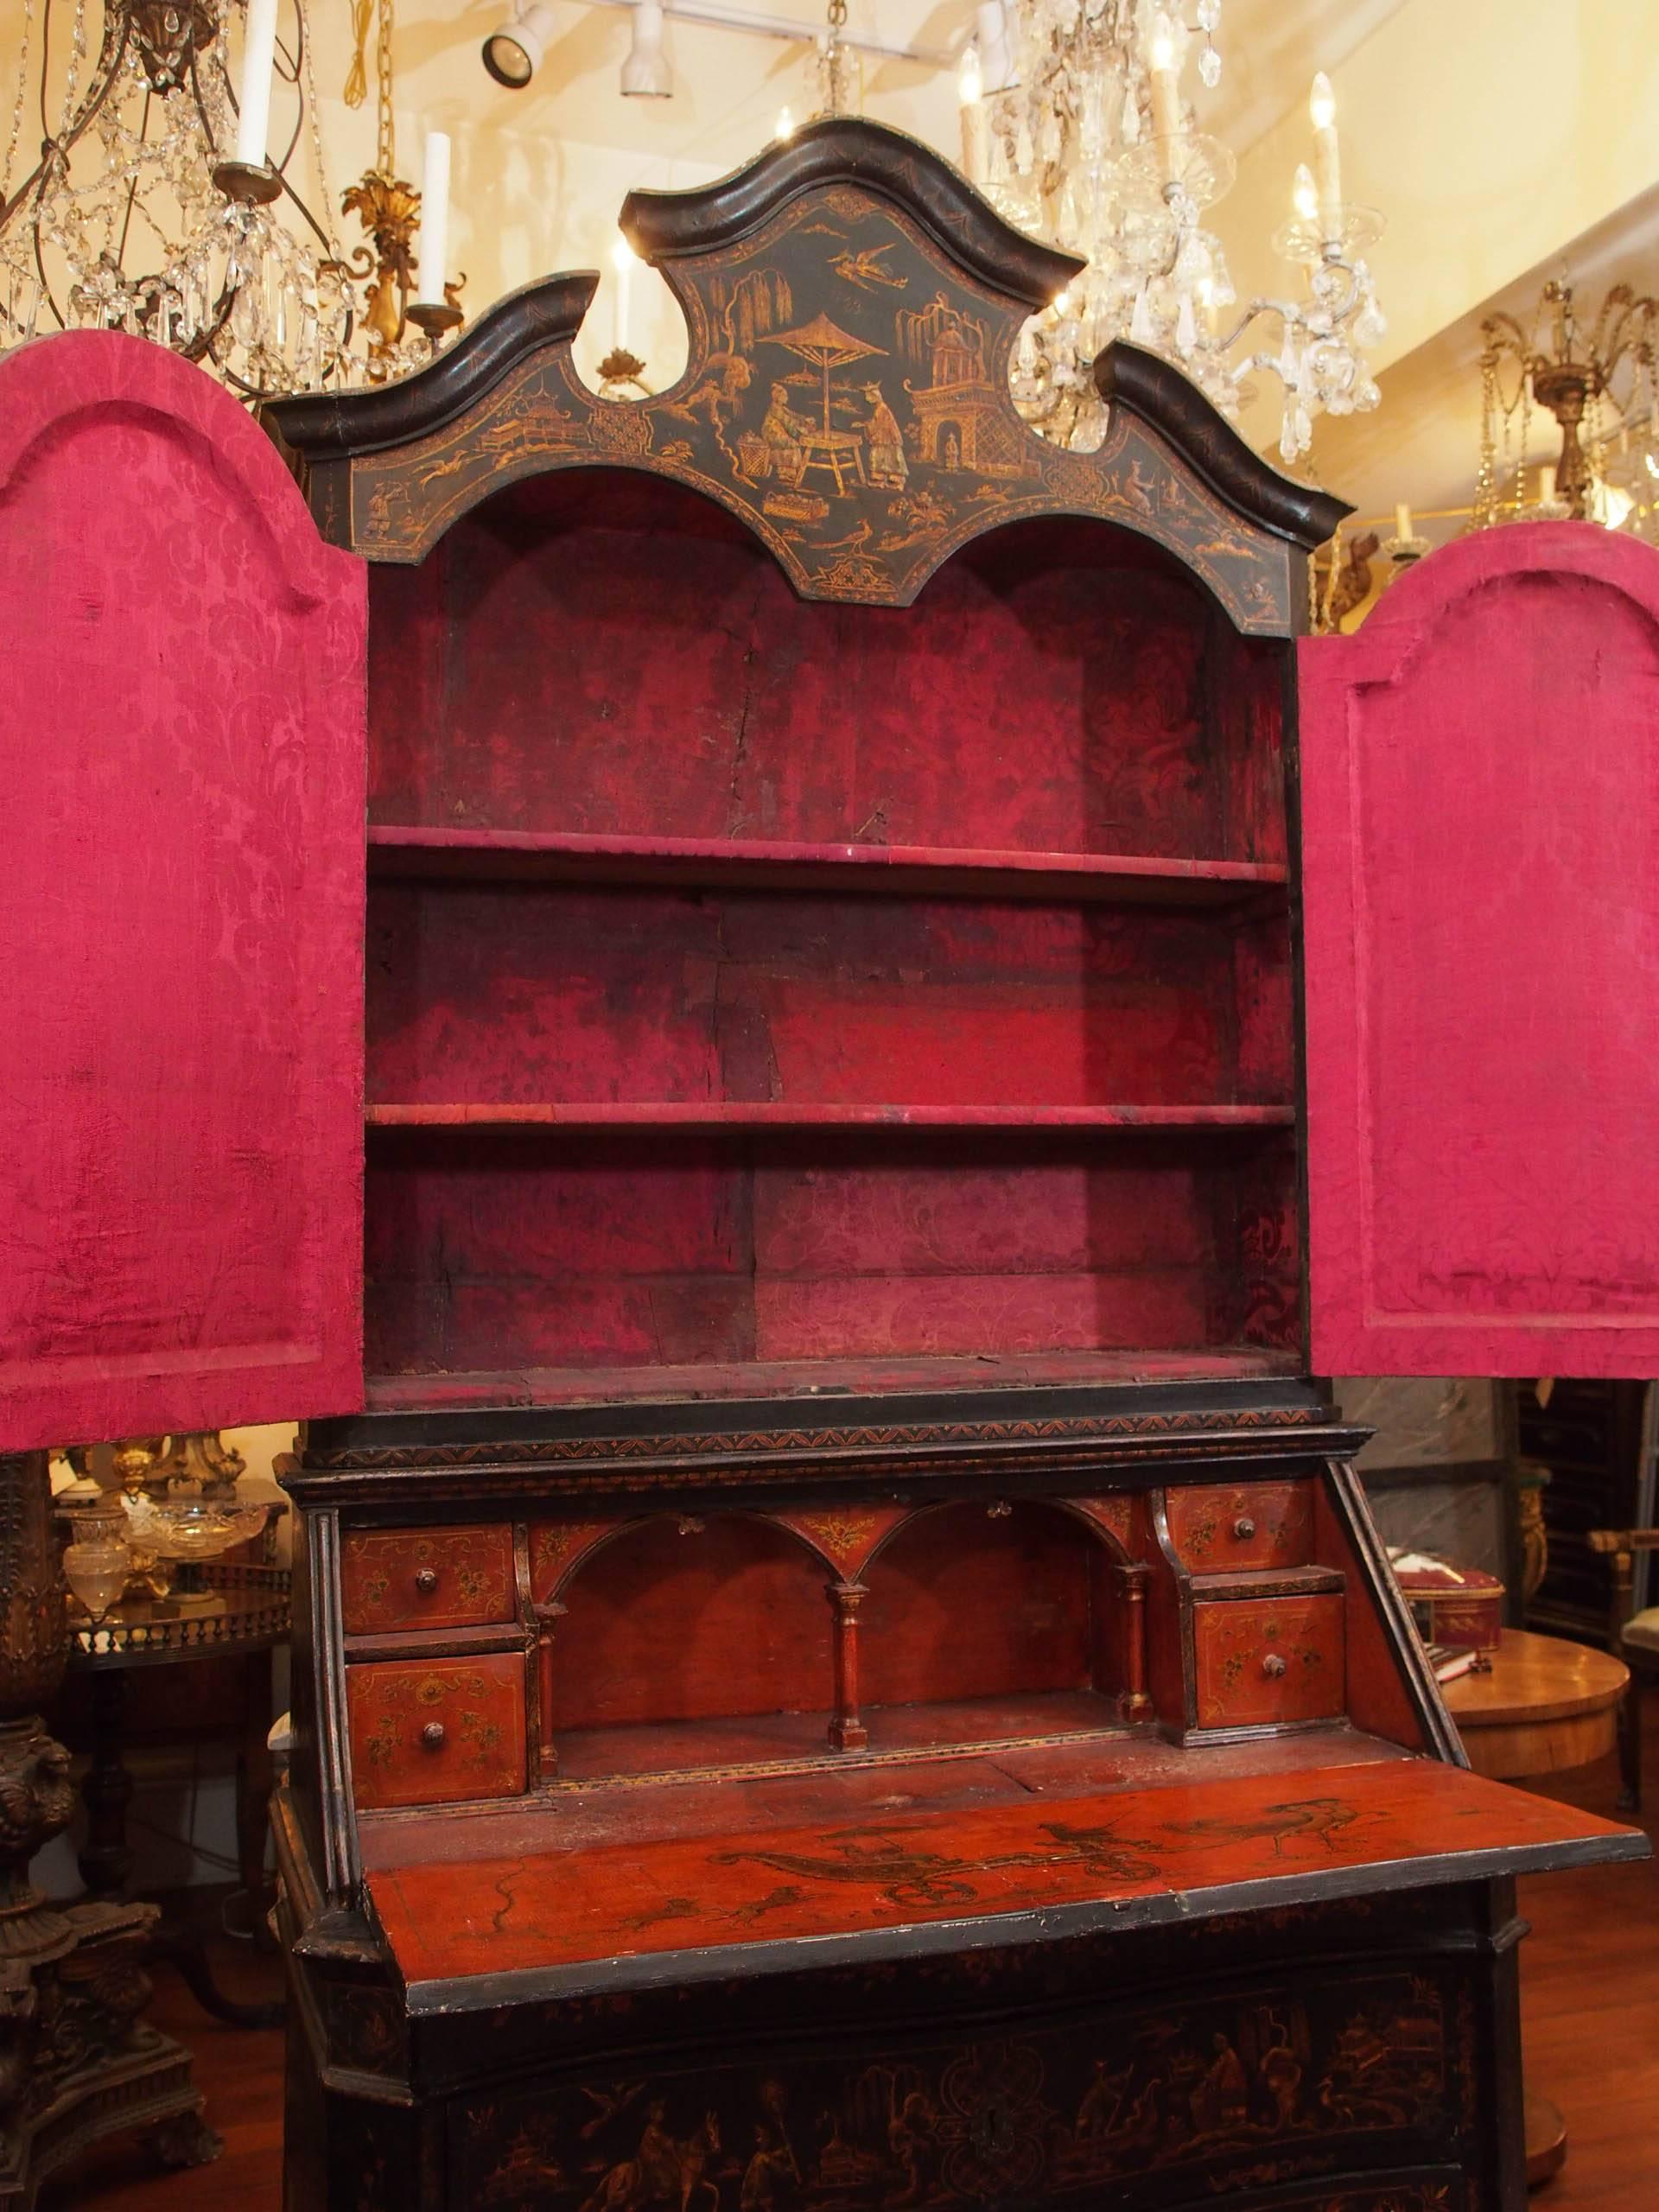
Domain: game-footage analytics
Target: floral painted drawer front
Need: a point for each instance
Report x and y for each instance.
(426, 1578)
(433, 1732)
(1216, 1530)
(1265, 1659)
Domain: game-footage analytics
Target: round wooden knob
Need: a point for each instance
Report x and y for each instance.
(1243, 1528)
(426, 1580)
(1273, 1666)
(432, 1734)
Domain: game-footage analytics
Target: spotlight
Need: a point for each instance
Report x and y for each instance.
(513, 55)
(646, 74)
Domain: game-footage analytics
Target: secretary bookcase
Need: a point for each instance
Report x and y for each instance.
(883, 1021)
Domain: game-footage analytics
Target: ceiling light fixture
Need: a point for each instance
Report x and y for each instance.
(514, 54)
(646, 74)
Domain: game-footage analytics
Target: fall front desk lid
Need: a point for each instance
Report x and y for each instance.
(557, 1924)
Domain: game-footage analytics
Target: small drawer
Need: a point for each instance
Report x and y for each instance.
(429, 1732)
(1266, 1659)
(1246, 1524)
(426, 1578)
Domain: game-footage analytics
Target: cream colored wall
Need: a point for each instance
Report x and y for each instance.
(1492, 134)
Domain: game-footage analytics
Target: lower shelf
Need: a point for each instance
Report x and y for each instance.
(820, 1378)
(757, 1741)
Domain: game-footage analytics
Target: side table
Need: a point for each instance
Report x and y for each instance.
(1545, 1705)
(232, 1612)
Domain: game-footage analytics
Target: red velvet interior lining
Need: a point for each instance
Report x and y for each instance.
(519, 993)
(599, 651)
(573, 1250)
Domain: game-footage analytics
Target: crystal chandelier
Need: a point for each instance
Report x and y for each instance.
(1075, 124)
(151, 211)
(164, 207)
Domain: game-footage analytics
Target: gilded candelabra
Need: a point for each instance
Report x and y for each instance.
(1580, 377)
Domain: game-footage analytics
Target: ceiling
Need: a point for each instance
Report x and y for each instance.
(1497, 135)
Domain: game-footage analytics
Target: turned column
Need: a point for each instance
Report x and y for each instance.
(1134, 1702)
(547, 1753)
(846, 1731)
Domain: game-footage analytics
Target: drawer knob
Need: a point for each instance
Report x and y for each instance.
(432, 1734)
(1273, 1666)
(426, 1580)
(1243, 1528)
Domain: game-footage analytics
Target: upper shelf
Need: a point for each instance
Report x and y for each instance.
(1131, 878)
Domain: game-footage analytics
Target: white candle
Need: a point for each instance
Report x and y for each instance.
(258, 57)
(975, 124)
(435, 219)
(1401, 519)
(1165, 60)
(622, 262)
(1327, 158)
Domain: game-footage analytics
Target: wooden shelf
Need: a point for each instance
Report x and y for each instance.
(822, 1381)
(762, 1113)
(509, 855)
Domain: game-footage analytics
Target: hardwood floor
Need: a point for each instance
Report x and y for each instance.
(1590, 2006)
(1589, 1999)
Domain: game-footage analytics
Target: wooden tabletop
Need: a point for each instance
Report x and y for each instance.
(1546, 1704)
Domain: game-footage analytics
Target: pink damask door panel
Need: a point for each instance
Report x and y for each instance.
(181, 933)
(1480, 790)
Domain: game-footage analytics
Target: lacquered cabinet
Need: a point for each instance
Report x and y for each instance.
(901, 1011)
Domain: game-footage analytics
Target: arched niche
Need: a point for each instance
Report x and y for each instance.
(674, 1623)
(1016, 1608)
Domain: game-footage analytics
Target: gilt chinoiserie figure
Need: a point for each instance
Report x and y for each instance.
(842, 1662)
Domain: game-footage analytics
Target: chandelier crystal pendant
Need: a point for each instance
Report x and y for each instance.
(1075, 125)
(151, 212)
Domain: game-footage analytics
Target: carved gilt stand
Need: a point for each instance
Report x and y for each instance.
(77, 2062)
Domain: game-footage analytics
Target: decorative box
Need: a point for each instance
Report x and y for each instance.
(1462, 1607)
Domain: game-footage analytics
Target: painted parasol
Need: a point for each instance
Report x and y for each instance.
(828, 345)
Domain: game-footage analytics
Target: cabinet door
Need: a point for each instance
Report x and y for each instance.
(1480, 824)
(181, 933)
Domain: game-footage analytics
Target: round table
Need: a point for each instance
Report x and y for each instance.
(1544, 1704)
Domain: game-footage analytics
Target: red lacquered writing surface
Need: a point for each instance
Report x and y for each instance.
(1480, 779)
(180, 1086)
